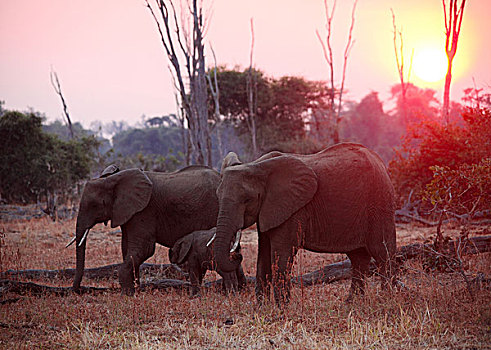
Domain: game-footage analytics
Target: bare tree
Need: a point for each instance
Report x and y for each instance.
(190, 44)
(252, 98)
(55, 82)
(185, 135)
(215, 93)
(453, 22)
(334, 111)
(399, 55)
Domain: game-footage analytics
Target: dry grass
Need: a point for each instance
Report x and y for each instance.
(436, 311)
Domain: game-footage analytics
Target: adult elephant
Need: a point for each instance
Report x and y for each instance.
(340, 200)
(150, 207)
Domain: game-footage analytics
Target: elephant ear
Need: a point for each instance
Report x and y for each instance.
(179, 253)
(132, 190)
(110, 170)
(230, 159)
(290, 185)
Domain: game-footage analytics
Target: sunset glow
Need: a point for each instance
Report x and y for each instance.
(430, 64)
(128, 65)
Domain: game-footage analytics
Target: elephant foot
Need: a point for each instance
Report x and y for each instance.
(353, 294)
(242, 285)
(195, 293)
(128, 291)
(263, 297)
(227, 289)
(282, 301)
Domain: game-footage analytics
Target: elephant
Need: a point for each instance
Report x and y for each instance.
(339, 200)
(193, 253)
(150, 207)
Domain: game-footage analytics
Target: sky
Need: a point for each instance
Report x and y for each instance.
(112, 66)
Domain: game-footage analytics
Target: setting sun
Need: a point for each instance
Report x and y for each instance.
(430, 64)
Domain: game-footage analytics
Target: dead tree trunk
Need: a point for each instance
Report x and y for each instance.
(215, 93)
(190, 43)
(453, 23)
(57, 86)
(252, 98)
(334, 111)
(399, 55)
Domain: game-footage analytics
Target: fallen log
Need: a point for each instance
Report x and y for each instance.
(328, 274)
(169, 271)
(30, 288)
(22, 288)
(342, 270)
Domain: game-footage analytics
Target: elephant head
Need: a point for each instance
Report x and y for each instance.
(116, 197)
(267, 191)
(179, 252)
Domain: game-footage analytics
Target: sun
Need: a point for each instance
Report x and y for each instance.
(430, 64)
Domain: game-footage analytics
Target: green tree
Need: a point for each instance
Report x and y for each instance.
(34, 163)
(150, 148)
(284, 107)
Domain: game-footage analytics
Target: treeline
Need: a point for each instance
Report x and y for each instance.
(41, 162)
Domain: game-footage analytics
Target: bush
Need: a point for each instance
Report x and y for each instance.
(463, 191)
(431, 148)
(35, 164)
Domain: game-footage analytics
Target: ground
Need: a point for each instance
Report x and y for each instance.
(435, 311)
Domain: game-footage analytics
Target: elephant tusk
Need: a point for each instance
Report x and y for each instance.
(237, 241)
(71, 242)
(84, 237)
(211, 240)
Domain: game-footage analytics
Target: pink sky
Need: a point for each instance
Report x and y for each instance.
(112, 67)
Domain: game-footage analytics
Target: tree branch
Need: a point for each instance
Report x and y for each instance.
(57, 86)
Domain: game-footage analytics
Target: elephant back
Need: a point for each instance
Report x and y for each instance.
(353, 185)
(184, 201)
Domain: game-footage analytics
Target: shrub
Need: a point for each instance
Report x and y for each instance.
(34, 164)
(448, 147)
(462, 191)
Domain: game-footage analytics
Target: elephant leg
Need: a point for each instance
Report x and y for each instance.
(360, 265)
(384, 256)
(195, 277)
(282, 267)
(137, 251)
(241, 278)
(263, 271)
(124, 244)
(230, 284)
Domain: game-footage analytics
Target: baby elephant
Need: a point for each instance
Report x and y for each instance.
(194, 254)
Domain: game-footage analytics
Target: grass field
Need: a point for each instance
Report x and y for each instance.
(435, 312)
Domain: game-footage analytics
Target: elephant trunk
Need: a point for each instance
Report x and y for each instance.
(81, 241)
(225, 233)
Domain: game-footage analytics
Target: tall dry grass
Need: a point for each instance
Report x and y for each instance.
(435, 311)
